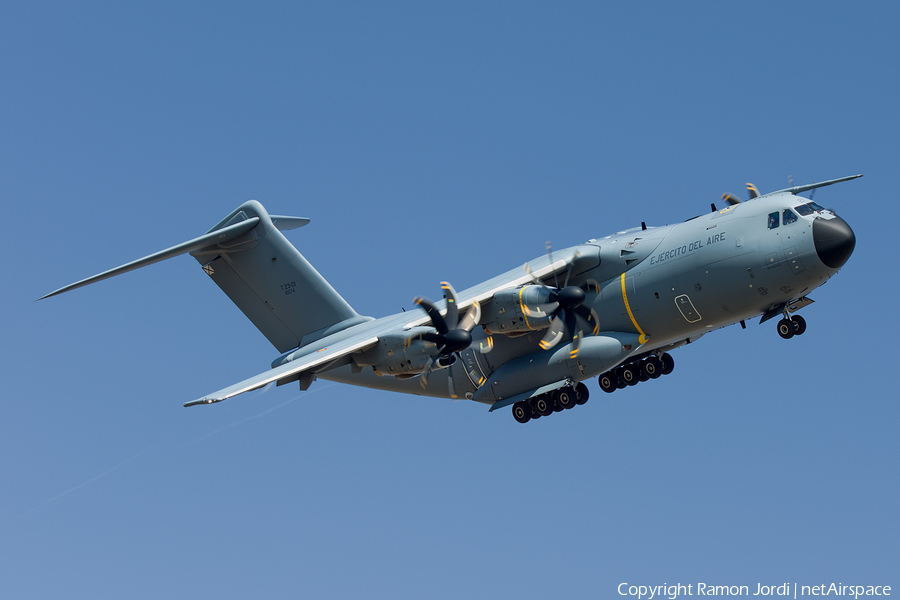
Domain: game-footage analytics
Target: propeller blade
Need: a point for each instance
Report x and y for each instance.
(452, 317)
(471, 318)
(732, 200)
(436, 319)
(569, 270)
(541, 311)
(591, 285)
(451, 386)
(423, 380)
(751, 189)
(487, 345)
(570, 318)
(428, 337)
(554, 334)
(576, 344)
(533, 276)
(550, 257)
(589, 315)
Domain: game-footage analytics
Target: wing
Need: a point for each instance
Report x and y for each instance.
(291, 370)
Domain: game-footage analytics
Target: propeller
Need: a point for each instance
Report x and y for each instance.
(751, 191)
(453, 335)
(565, 307)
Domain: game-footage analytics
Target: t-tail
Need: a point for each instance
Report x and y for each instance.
(247, 256)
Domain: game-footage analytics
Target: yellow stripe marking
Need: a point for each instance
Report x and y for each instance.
(643, 337)
(525, 308)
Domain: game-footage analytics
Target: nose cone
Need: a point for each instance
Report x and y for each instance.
(834, 241)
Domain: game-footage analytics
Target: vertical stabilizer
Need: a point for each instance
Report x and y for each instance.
(272, 283)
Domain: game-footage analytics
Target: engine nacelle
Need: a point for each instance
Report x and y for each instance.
(398, 355)
(516, 310)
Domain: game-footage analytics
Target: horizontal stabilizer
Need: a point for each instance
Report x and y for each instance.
(283, 223)
(216, 237)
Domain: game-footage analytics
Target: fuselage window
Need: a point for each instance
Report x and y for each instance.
(773, 220)
(788, 216)
(805, 210)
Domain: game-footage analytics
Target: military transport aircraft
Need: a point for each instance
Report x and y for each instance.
(611, 308)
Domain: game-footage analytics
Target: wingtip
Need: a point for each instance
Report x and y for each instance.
(202, 401)
(59, 291)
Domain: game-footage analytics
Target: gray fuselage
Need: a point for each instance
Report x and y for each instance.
(668, 285)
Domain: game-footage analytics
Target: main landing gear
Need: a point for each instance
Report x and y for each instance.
(788, 328)
(633, 373)
(546, 404)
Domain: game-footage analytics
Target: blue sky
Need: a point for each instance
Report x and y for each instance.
(430, 142)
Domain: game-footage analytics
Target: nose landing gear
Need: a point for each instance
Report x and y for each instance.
(789, 327)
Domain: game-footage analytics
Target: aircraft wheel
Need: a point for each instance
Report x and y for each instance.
(521, 412)
(629, 375)
(556, 405)
(565, 398)
(642, 375)
(620, 385)
(786, 328)
(653, 367)
(668, 363)
(608, 382)
(799, 324)
(543, 406)
(581, 393)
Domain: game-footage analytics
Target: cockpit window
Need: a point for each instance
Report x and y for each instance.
(815, 206)
(805, 210)
(788, 216)
(773, 220)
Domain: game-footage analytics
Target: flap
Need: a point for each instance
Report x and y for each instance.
(292, 369)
